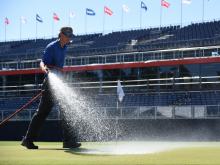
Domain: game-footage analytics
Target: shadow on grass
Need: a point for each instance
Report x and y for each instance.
(53, 149)
(84, 152)
(77, 151)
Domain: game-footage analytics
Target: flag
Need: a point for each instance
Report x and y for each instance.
(120, 91)
(165, 3)
(72, 15)
(6, 21)
(23, 20)
(125, 8)
(90, 12)
(108, 11)
(38, 18)
(143, 6)
(187, 2)
(55, 17)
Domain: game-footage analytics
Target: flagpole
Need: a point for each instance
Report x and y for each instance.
(36, 32)
(20, 29)
(122, 18)
(69, 19)
(52, 27)
(181, 19)
(103, 28)
(5, 32)
(203, 10)
(116, 123)
(140, 17)
(86, 24)
(160, 14)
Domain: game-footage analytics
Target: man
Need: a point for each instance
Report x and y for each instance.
(53, 59)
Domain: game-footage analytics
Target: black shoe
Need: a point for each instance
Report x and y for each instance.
(28, 144)
(71, 145)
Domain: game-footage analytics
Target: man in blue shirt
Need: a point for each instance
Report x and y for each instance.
(53, 58)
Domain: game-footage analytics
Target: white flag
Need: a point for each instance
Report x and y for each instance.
(23, 20)
(72, 14)
(120, 91)
(187, 2)
(125, 8)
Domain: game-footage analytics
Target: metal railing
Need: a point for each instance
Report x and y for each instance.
(136, 112)
(197, 81)
(195, 52)
(27, 115)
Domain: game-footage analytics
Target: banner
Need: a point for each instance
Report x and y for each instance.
(143, 6)
(108, 11)
(187, 2)
(125, 8)
(90, 12)
(23, 20)
(165, 4)
(38, 18)
(6, 21)
(72, 15)
(55, 17)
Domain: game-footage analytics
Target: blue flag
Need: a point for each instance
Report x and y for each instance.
(90, 12)
(143, 6)
(38, 18)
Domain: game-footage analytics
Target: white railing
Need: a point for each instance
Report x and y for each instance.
(168, 54)
(145, 83)
(136, 112)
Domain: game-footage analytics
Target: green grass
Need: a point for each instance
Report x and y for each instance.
(11, 153)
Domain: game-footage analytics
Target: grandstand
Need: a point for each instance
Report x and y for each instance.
(167, 73)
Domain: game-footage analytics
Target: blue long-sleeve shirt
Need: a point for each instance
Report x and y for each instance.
(54, 54)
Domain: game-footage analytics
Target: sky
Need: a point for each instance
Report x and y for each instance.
(100, 23)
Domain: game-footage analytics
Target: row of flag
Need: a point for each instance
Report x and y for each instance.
(23, 20)
(107, 10)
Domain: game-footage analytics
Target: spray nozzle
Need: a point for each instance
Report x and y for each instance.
(47, 70)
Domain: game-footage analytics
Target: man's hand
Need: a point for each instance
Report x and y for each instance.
(44, 68)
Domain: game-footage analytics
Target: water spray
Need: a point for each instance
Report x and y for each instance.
(78, 111)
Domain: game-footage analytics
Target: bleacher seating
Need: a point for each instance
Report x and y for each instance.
(13, 103)
(196, 34)
(133, 99)
(164, 99)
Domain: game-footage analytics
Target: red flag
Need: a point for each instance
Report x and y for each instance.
(165, 3)
(55, 17)
(6, 21)
(108, 11)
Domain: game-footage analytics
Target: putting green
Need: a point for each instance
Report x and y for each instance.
(112, 153)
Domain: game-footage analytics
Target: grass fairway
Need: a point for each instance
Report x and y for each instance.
(11, 153)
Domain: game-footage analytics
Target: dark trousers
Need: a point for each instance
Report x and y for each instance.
(46, 104)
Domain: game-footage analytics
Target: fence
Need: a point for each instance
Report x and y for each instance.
(121, 57)
(141, 112)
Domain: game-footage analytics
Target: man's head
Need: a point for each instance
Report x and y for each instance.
(65, 35)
